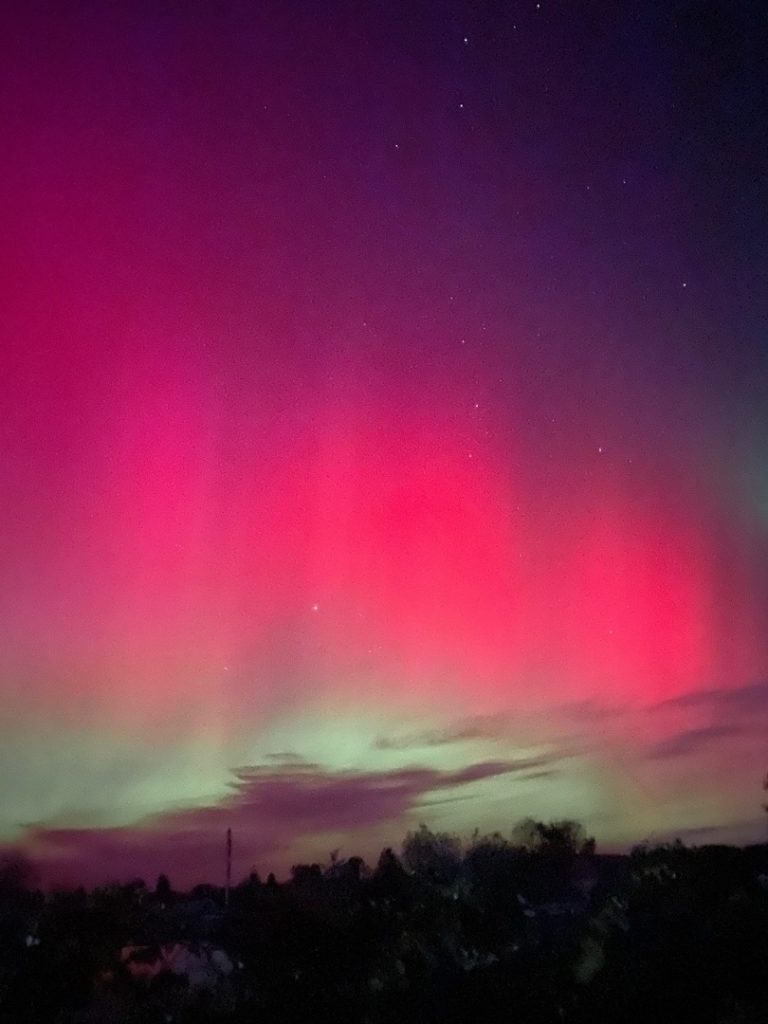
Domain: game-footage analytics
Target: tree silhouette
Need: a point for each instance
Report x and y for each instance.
(435, 856)
(163, 890)
(565, 837)
(666, 930)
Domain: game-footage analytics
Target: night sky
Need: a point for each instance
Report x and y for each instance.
(383, 424)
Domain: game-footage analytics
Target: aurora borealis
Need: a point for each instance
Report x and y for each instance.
(383, 429)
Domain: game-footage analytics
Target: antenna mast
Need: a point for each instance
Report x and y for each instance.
(229, 867)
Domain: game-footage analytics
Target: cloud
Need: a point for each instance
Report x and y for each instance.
(445, 800)
(545, 773)
(690, 741)
(703, 832)
(475, 772)
(279, 766)
(269, 809)
(735, 833)
(750, 700)
(499, 726)
(590, 709)
(479, 727)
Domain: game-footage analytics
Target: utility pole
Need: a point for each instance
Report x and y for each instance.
(229, 867)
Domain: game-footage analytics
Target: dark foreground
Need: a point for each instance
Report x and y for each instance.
(546, 933)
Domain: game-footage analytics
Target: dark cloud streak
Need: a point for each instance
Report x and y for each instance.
(269, 808)
(690, 741)
(751, 699)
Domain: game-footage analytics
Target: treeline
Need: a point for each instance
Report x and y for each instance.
(536, 927)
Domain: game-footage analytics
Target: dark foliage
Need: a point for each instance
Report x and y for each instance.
(537, 928)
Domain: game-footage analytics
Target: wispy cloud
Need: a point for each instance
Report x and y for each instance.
(476, 772)
(740, 832)
(269, 808)
(751, 699)
(690, 741)
(590, 710)
(480, 727)
(500, 726)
